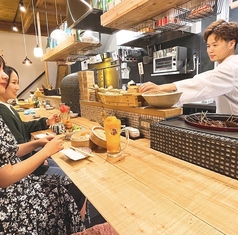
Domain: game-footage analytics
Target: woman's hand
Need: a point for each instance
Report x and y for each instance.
(43, 141)
(148, 86)
(52, 119)
(53, 146)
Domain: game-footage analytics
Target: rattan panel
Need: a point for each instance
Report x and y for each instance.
(214, 152)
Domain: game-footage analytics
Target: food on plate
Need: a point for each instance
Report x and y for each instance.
(68, 125)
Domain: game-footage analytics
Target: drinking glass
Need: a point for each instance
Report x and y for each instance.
(112, 127)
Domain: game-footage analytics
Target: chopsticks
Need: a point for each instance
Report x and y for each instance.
(81, 151)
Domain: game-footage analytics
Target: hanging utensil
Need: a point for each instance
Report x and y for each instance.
(147, 59)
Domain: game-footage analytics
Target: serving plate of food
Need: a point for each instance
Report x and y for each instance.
(213, 121)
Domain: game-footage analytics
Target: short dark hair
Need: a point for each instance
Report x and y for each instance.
(223, 30)
(8, 70)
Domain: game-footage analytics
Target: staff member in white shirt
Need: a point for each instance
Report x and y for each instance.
(221, 83)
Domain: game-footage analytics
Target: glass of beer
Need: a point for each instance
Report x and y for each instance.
(112, 127)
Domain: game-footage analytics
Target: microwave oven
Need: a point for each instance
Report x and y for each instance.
(172, 60)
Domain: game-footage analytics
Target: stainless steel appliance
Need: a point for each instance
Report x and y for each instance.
(108, 73)
(171, 60)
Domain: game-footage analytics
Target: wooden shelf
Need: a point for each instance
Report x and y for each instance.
(68, 47)
(128, 14)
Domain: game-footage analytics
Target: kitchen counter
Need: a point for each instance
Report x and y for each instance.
(137, 117)
(150, 192)
(163, 113)
(199, 107)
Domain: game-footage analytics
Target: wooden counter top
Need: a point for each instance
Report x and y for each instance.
(149, 192)
(163, 113)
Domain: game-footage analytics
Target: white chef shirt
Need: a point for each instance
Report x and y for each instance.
(221, 83)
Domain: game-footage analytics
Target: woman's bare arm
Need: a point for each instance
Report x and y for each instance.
(10, 174)
(32, 145)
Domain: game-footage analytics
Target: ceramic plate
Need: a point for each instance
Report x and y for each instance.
(49, 108)
(73, 115)
(74, 155)
(191, 120)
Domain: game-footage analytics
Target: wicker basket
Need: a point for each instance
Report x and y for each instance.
(24, 105)
(132, 99)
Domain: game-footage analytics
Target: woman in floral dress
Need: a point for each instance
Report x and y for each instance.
(32, 204)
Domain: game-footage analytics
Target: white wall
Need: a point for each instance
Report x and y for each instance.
(109, 43)
(12, 47)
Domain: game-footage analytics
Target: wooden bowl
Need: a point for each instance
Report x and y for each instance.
(98, 136)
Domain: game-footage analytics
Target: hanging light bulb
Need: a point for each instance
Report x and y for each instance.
(21, 6)
(14, 28)
(38, 52)
(26, 61)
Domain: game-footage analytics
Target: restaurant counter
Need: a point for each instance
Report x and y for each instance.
(149, 192)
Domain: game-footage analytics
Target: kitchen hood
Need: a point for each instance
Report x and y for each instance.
(81, 15)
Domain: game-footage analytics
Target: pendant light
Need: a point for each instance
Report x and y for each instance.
(47, 28)
(26, 61)
(14, 27)
(21, 6)
(58, 34)
(38, 52)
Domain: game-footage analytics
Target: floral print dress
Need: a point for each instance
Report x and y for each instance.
(35, 204)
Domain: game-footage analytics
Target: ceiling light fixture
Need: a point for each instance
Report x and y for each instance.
(26, 61)
(21, 6)
(47, 28)
(14, 27)
(38, 52)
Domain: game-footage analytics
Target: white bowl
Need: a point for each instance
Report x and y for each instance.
(161, 99)
(73, 115)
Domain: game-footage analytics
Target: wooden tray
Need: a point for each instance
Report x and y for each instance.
(128, 99)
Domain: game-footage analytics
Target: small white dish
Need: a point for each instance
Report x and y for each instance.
(73, 155)
(49, 107)
(73, 115)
